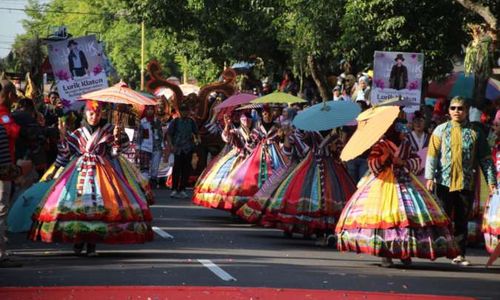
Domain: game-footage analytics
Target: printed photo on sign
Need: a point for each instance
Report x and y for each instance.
(78, 68)
(398, 74)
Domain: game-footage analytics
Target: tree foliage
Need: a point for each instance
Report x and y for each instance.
(404, 25)
(309, 36)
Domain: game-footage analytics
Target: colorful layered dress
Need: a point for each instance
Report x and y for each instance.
(250, 175)
(254, 209)
(311, 197)
(207, 191)
(92, 200)
(491, 218)
(392, 214)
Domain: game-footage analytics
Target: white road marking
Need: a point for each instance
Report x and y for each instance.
(216, 270)
(162, 233)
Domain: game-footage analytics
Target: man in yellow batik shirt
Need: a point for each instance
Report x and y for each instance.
(455, 150)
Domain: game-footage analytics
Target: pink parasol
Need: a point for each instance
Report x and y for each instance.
(235, 100)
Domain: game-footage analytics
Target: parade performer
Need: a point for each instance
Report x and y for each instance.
(491, 218)
(295, 148)
(239, 145)
(456, 150)
(419, 140)
(392, 215)
(150, 145)
(91, 201)
(311, 197)
(267, 157)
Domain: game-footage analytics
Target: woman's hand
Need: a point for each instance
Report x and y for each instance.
(227, 120)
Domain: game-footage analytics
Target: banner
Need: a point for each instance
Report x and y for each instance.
(398, 74)
(78, 68)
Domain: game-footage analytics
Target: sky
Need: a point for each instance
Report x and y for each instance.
(10, 23)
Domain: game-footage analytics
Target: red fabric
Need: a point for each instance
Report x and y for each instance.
(12, 129)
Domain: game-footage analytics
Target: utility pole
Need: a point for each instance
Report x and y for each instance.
(142, 55)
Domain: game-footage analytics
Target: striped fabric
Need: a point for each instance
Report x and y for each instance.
(98, 198)
(392, 214)
(4, 147)
(380, 157)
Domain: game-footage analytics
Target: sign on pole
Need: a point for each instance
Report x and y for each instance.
(398, 74)
(78, 68)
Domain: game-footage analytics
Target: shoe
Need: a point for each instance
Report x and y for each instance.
(91, 250)
(460, 260)
(183, 195)
(174, 194)
(78, 248)
(387, 262)
(7, 263)
(331, 241)
(406, 261)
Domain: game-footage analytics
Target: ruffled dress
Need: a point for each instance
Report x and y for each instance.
(93, 199)
(207, 191)
(491, 218)
(311, 197)
(254, 209)
(250, 175)
(392, 214)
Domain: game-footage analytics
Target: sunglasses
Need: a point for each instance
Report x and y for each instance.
(459, 108)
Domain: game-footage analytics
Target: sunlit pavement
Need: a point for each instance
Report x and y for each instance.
(200, 253)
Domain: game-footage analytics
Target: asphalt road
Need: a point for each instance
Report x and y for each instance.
(248, 256)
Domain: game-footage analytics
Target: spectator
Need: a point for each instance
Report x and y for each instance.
(9, 131)
(52, 109)
(149, 141)
(362, 92)
(288, 84)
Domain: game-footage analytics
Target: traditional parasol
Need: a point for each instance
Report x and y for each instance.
(326, 115)
(372, 124)
(119, 93)
(250, 106)
(278, 98)
(235, 100)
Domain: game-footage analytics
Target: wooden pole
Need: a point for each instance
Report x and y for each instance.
(142, 54)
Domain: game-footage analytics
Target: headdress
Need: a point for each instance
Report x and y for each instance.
(93, 105)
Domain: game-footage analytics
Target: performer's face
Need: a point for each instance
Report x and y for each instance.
(399, 62)
(245, 121)
(458, 112)
(266, 116)
(418, 125)
(93, 116)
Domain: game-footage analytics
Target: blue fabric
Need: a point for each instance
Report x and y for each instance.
(19, 218)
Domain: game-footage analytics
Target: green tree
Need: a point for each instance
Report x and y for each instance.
(108, 19)
(479, 56)
(307, 31)
(434, 28)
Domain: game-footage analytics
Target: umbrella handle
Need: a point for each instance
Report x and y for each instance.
(325, 107)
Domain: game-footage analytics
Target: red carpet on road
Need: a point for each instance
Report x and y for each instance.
(197, 293)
